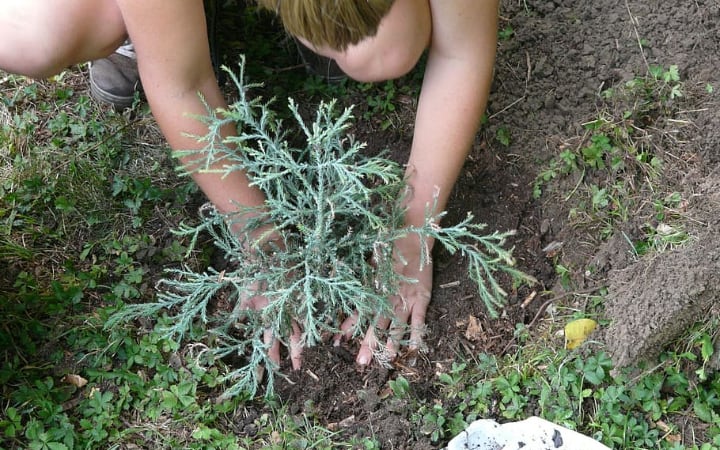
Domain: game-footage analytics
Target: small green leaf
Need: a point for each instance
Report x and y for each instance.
(656, 71)
(503, 136)
(703, 411)
(506, 33)
(445, 378)
(56, 446)
(675, 92)
(672, 74)
(707, 349)
(599, 197)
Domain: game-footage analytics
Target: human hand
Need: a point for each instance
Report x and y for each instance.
(268, 239)
(409, 308)
(256, 301)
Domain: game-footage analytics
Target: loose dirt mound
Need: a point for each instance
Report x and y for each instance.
(562, 55)
(654, 300)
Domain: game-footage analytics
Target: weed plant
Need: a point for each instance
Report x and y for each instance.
(337, 216)
(632, 408)
(617, 158)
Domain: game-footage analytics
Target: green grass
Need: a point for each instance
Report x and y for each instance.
(637, 408)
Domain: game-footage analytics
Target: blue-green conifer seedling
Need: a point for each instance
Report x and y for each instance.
(333, 214)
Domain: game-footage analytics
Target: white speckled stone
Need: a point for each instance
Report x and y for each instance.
(533, 433)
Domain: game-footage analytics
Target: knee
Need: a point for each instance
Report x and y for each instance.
(50, 41)
(41, 66)
(46, 59)
(34, 58)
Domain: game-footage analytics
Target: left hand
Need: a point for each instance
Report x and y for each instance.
(257, 301)
(409, 308)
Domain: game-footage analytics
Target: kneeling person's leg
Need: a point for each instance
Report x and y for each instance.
(39, 38)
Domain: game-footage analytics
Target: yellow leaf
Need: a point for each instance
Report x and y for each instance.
(577, 331)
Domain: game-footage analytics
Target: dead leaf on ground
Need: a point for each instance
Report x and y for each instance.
(552, 249)
(474, 330)
(345, 423)
(75, 380)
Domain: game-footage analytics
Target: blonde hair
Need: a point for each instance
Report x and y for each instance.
(333, 23)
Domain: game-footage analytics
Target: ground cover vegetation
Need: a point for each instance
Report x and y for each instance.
(89, 199)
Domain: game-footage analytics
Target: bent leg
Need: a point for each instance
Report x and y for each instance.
(39, 38)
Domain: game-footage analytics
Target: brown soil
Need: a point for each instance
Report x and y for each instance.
(549, 74)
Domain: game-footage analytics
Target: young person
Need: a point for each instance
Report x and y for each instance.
(371, 40)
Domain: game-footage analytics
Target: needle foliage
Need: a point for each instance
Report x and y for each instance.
(334, 214)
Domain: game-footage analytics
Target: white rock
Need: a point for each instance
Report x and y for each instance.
(533, 433)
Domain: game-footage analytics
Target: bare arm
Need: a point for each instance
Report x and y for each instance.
(170, 40)
(452, 100)
(174, 62)
(453, 97)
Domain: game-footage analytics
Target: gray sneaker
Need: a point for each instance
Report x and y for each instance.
(115, 79)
